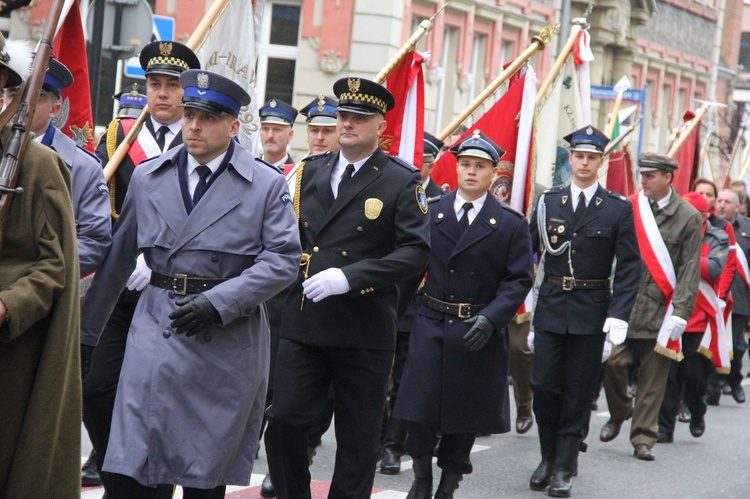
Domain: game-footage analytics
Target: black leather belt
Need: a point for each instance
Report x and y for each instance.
(183, 284)
(570, 283)
(462, 310)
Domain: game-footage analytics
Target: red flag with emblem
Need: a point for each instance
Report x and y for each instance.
(69, 47)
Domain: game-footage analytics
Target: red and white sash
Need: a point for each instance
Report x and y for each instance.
(714, 343)
(742, 268)
(658, 262)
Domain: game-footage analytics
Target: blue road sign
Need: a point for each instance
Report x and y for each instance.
(163, 30)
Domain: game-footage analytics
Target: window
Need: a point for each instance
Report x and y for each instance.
(745, 51)
(277, 57)
(477, 80)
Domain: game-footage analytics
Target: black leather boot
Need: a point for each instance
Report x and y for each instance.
(547, 441)
(89, 473)
(566, 464)
(448, 485)
(266, 488)
(421, 488)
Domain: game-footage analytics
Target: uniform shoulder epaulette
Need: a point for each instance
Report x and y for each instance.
(88, 152)
(509, 208)
(554, 190)
(266, 163)
(617, 195)
(404, 163)
(316, 155)
(434, 199)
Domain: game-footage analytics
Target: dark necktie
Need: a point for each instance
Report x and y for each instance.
(581, 207)
(346, 176)
(203, 172)
(162, 136)
(654, 207)
(464, 222)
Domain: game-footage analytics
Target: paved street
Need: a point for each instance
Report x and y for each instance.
(716, 465)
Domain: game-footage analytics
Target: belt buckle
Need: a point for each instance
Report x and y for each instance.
(568, 283)
(461, 313)
(179, 284)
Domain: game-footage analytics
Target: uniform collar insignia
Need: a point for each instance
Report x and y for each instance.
(564, 199)
(598, 201)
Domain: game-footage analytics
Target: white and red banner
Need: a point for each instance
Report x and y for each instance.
(714, 343)
(404, 133)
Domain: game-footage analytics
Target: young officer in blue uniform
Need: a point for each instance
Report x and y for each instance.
(479, 272)
(216, 227)
(363, 227)
(581, 229)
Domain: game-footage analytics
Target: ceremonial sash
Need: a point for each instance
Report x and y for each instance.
(714, 342)
(742, 268)
(659, 264)
(136, 152)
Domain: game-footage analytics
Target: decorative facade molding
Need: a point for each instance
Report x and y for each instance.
(331, 62)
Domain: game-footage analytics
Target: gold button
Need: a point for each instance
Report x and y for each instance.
(344, 254)
(316, 249)
(360, 229)
(305, 225)
(363, 291)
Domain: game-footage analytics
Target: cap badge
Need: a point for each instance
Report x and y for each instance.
(165, 48)
(134, 89)
(321, 102)
(476, 134)
(353, 84)
(272, 103)
(589, 130)
(202, 79)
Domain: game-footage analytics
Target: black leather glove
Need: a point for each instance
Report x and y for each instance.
(479, 334)
(194, 315)
(86, 353)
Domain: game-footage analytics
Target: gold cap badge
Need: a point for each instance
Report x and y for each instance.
(353, 84)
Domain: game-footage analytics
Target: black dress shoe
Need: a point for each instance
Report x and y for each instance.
(391, 462)
(421, 488)
(524, 424)
(697, 427)
(541, 477)
(89, 474)
(683, 414)
(739, 394)
(665, 438)
(610, 430)
(266, 488)
(726, 390)
(643, 452)
(712, 399)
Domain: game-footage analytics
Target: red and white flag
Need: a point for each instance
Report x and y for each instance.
(687, 156)
(69, 47)
(404, 133)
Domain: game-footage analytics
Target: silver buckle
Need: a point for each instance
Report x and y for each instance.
(461, 313)
(568, 283)
(179, 284)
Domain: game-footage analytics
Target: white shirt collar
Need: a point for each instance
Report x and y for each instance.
(339, 170)
(588, 193)
(458, 205)
(174, 129)
(213, 165)
(665, 200)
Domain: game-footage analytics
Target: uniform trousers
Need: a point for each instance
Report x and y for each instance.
(652, 380)
(520, 366)
(564, 373)
(688, 377)
(304, 374)
(125, 487)
(454, 450)
(100, 384)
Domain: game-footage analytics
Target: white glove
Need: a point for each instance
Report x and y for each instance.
(607, 351)
(676, 327)
(530, 340)
(616, 329)
(141, 276)
(330, 282)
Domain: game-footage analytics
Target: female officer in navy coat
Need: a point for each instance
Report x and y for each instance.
(479, 272)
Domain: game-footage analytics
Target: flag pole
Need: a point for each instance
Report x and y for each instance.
(537, 43)
(578, 24)
(194, 43)
(620, 88)
(687, 131)
(612, 145)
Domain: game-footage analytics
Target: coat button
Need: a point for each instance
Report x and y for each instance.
(360, 229)
(451, 298)
(316, 249)
(166, 334)
(207, 337)
(451, 272)
(214, 258)
(472, 274)
(344, 254)
(573, 251)
(450, 322)
(171, 294)
(575, 234)
(305, 225)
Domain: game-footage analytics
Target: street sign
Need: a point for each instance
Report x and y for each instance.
(163, 29)
(126, 28)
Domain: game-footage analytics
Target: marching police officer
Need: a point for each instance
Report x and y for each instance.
(431, 151)
(363, 226)
(320, 117)
(130, 102)
(581, 229)
(276, 131)
(479, 272)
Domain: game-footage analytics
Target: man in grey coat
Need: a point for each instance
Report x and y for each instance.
(217, 229)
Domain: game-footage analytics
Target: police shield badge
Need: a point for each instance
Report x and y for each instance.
(373, 207)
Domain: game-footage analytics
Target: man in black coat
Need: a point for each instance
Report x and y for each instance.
(479, 272)
(581, 229)
(364, 228)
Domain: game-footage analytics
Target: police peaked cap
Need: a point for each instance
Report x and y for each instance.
(277, 111)
(168, 58)
(57, 77)
(432, 145)
(212, 92)
(478, 145)
(587, 139)
(321, 111)
(362, 96)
